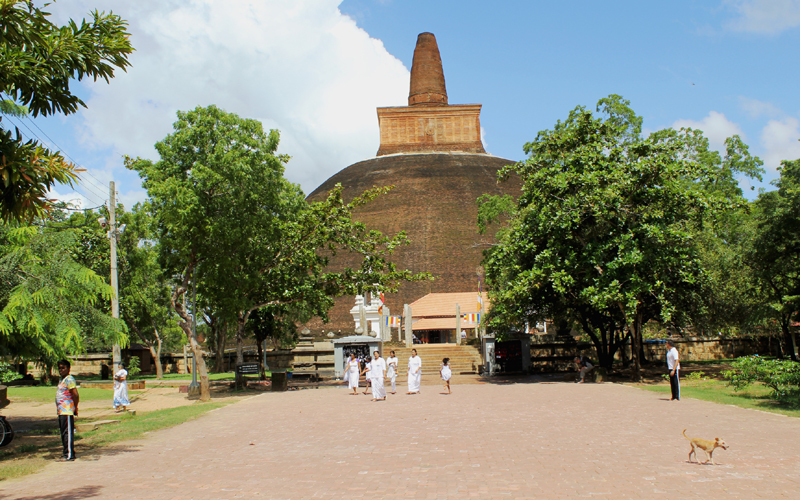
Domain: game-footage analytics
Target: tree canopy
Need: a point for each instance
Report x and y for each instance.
(603, 231)
(38, 59)
(775, 252)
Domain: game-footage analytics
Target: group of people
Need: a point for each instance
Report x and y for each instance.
(377, 370)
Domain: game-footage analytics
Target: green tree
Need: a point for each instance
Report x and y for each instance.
(226, 215)
(145, 289)
(775, 252)
(37, 61)
(48, 299)
(603, 229)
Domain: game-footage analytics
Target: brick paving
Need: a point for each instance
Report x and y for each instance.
(510, 440)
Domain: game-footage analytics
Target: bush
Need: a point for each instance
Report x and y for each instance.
(7, 373)
(781, 376)
(133, 367)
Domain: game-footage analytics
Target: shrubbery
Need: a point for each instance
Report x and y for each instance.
(781, 376)
(7, 373)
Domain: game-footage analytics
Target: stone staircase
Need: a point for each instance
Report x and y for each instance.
(464, 359)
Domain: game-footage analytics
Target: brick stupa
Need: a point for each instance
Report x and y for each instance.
(428, 123)
(431, 152)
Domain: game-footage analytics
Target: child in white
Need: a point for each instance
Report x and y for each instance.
(446, 373)
(392, 369)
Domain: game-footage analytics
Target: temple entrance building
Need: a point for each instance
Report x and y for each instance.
(435, 317)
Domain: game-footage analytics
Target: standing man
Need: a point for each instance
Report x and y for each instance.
(67, 407)
(674, 367)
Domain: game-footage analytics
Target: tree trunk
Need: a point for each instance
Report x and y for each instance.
(186, 325)
(240, 322)
(221, 338)
(788, 335)
(637, 349)
(262, 370)
(157, 354)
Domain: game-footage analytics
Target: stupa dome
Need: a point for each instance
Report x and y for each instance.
(432, 154)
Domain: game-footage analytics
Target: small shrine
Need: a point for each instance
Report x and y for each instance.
(373, 312)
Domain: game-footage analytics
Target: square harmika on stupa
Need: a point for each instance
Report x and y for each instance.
(431, 152)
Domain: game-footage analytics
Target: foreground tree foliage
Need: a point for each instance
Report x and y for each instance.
(604, 230)
(37, 61)
(49, 301)
(775, 252)
(229, 223)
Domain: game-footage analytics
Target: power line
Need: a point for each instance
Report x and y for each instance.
(56, 146)
(86, 187)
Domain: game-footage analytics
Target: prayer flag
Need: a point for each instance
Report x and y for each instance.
(480, 302)
(392, 320)
(472, 317)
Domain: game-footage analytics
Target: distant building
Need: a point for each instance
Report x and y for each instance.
(434, 320)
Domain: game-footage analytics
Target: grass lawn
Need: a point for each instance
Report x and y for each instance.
(167, 376)
(47, 394)
(41, 448)
(184, 376)
(756, 396)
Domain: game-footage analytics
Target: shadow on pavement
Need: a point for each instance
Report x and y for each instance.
(82, 492)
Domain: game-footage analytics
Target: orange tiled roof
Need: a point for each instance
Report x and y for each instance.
(444, 304)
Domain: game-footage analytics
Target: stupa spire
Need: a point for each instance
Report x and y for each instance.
(427, 77)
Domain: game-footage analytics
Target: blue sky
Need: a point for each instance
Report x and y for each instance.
(316, 70)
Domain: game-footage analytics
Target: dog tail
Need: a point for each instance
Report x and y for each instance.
(684, 435)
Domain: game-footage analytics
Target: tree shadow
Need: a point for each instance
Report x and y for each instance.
(75, 493)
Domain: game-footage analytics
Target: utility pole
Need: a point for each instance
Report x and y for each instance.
(112, 238)
(194, 387)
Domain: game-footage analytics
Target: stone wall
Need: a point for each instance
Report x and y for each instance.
(557, 356)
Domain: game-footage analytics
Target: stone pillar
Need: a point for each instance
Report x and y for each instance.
(407, 317)
(362, 319)
(458, 324)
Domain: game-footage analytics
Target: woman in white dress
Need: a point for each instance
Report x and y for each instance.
(351, 371)
(414, 372)
(121, 401)
(377, 373)
(446, 373)
(391, 365)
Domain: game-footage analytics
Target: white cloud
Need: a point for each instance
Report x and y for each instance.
(781, 141)
(769, 17)
(716, 127)
(757, 109)
(300, 66)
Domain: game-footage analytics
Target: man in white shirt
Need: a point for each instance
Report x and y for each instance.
(674, 367)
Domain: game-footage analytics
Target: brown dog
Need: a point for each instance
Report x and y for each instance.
(707, 446)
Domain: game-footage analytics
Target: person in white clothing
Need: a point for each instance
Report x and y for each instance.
(446, 373)
(377, 373)
(391, 367)
(674, 367)
(351, 372)
(121, 401)
(414, 372)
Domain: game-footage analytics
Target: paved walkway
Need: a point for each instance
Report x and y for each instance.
(516, 440)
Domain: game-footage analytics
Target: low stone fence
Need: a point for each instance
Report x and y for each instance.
(320, 357)
(553, 355)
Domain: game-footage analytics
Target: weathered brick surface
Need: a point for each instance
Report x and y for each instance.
(434, 202)
(524, 440)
